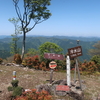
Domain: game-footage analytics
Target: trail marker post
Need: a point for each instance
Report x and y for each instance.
(14, 75)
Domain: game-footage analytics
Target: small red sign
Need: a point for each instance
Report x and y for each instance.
(52, 64)
(62, 88)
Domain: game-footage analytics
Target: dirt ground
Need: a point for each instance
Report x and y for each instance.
(29, 78)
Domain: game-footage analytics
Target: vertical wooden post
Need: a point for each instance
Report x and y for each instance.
(51, 75)
(68, 71)
(78, 74)
(14, 75)
(75, 74)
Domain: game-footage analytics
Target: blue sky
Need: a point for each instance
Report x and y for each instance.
(69, 18)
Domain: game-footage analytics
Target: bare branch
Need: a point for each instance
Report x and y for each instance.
(31, 27)
(41, 21)
(17, 9)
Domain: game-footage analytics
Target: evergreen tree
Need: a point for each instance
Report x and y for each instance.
(15, 38)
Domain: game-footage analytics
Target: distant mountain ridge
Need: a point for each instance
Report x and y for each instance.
(4, 36)
(60, 37)
(63, 41)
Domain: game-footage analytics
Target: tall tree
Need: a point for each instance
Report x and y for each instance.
(49, 47)
(14, 47)
(33, 13)
(95, 50)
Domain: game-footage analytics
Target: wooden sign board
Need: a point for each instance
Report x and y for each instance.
(75, 52)
(62, 88)
(53, 56)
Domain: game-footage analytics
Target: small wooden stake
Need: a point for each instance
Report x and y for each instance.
(75, 74)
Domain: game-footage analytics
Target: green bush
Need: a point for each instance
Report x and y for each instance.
(96, 59)
(14, 83)
(10, 88)
(17, 91)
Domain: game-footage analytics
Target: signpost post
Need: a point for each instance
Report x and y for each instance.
(68, 71)
(78, 74)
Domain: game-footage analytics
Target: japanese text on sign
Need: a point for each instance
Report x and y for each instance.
(75, 52)
(53, 56)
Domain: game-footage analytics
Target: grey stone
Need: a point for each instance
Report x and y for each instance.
(64, 82)
(43, 87)
(61, 93)
(57, 82)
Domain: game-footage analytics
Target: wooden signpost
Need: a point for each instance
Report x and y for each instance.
(74, 53)
(53, 64)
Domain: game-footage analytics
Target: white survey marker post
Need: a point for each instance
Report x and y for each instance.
(68, 70)
(14, 75)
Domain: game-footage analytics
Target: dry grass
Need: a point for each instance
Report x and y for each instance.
(29, 78)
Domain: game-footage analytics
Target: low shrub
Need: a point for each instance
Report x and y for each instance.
(31, 61)
(96, 59)
(42, 66)
(33, 95)
(17, 59)
(17, 90)
(88, 67)
(14, 83)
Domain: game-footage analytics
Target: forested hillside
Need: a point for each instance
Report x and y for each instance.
(35, 42)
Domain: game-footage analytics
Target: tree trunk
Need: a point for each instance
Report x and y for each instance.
(23, 45)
